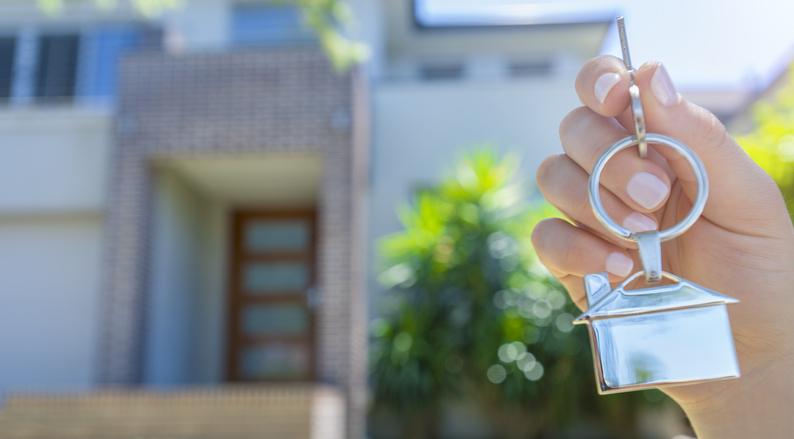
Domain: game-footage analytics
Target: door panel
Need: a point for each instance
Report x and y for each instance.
(275, 320)
(273, 235)
(273, 361)
(276, 277)
(271, 328)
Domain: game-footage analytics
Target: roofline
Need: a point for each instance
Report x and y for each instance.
(584, 318)
(620, 290)
(602, 16)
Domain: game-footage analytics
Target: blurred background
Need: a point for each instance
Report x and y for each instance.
(311, 218)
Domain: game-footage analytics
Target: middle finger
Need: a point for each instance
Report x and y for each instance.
(643, 184)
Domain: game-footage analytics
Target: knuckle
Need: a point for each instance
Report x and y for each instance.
(571, 257)
(573, 120)
(708, 129)
(546, 170)
(539, 233)
(542, 238)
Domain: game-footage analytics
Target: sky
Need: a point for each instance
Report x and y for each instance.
(705, 44)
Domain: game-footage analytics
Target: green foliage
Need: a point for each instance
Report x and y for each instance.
(324, 17)
(771, 143)
(472, 313)
(146, 7)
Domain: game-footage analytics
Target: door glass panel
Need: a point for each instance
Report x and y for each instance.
(273, 235)
(287, 319)
(275, 277)
(274, 360)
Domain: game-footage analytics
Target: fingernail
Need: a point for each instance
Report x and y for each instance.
(604, 83)
(646, 189)
(663, 88)
(637, 222)
(619, 264)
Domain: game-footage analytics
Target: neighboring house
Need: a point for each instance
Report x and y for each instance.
(197, 198)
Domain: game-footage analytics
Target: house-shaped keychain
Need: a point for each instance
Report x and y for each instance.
(665, 335)
(655, 337)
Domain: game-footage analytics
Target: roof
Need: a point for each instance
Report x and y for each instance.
(683, 294)
(451, 13)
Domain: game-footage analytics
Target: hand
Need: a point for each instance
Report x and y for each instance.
(742, 246)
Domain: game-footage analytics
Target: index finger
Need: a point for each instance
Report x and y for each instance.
(596, 78)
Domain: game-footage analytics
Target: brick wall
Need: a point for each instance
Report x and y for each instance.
(285, 100)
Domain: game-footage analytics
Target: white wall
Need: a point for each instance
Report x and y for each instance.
(53, 159)
(49, 301)
(53, 175)
(198, 24)
(421, 128)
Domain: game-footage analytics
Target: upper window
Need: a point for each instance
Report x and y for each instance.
(101, 51)
(57, 67)
(491, 13)
(434, 72)
(7, 50)
(81, 66)
(268, 24)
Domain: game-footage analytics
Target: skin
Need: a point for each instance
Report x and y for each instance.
(742, 246)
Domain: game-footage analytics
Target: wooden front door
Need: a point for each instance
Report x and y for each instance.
(271, 325)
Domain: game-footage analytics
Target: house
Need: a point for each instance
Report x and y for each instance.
(196, 198)
(656, 337)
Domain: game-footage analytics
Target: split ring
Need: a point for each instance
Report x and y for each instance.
(700, 176)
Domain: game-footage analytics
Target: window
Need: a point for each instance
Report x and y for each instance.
(530, 69)
(435, 72)
(101, 50)
(57, 67)
(7, 50)
(79, 66)
(254, 24)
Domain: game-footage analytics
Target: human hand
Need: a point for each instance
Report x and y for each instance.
(742, 246)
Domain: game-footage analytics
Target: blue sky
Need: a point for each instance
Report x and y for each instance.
(705, 44)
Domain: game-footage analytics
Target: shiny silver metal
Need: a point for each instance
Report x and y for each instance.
(650, 246)
(657, 337)
(697, 206)
(667, 335)
(638, 115)
(624, 46)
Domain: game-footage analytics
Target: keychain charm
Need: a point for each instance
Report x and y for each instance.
(661, 336)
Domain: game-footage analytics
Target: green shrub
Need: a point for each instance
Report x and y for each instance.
(471, 313)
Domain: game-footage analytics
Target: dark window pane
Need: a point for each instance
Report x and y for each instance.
(529, 69)
(434, 72)
(57, 66)
(7, 49)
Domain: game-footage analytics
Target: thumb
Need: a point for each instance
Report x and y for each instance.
(741, 193)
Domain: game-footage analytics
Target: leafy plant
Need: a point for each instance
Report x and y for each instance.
(771, 142)
(472, 314)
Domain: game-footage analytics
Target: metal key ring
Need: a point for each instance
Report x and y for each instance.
(697, 206)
